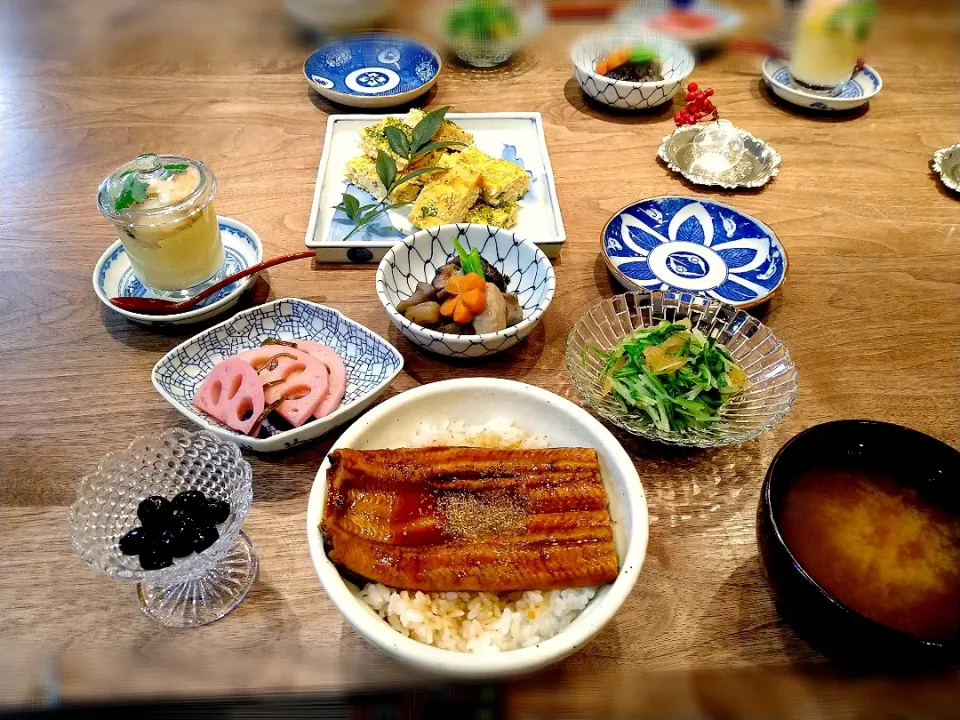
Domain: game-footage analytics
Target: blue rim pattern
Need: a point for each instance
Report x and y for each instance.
(129, 284)
(682, 244)
(372, 65)
(851, 89)
(370, 361)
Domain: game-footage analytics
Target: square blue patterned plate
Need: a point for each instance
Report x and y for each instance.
(517, 137)
(371, 362)
(694, 245)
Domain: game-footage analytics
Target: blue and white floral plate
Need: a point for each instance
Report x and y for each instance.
(700, 246)
(371, 362)
(514, 136)
(373, 70)
(113, 277)
(857, 91)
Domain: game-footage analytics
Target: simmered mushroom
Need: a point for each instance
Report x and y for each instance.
(514, 311)
(443, 274)
(423, 293)
(494, 316)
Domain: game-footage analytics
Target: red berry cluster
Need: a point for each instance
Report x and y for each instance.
(698, 106)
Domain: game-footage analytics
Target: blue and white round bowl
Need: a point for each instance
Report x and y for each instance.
(114, 277)
(700, 246)
(528, 273)
(373, 70)
(857, 91)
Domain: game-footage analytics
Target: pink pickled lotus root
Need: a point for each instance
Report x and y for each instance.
(299, 377)
(338, 374)
(232, 393)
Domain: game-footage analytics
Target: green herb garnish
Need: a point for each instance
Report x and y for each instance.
(470, 262)
(410, 148)
(671, 376)
(483, 20)
(856, 14)
(134, 190)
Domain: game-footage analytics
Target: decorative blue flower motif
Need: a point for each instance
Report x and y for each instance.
(338, 56)
(697, 246)
(372, 79)
(425, 70)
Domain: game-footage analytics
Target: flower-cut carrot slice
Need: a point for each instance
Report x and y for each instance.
(448, 307)
(462, 314)
(475, 300)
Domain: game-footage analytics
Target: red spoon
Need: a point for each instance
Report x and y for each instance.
(156, 306)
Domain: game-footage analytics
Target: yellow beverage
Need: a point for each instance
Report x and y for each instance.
(829, 39)
(163, 207)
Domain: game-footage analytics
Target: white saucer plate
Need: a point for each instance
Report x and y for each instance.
(114, 277)
(857, 91)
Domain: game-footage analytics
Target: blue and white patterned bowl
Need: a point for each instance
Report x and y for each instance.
(417, 259)
(857, 91)
(113, 277)
(694, 245)
(677, 64)
(373, 70)
(371, 362)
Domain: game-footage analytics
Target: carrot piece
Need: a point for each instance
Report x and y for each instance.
(449, 307)
(462, 314)
(472, 281)
(602, 67)
(455, 284)
(475, 299)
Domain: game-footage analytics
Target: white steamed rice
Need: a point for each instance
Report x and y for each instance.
(477, 621)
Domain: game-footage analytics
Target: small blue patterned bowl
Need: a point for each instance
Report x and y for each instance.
(417, 259)
(857, 91)
(371, 362)
(676, 62)
(373, 70)
(114, 277)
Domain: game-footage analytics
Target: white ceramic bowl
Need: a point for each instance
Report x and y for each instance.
(677, 64)
(477, 401)
(417, 258)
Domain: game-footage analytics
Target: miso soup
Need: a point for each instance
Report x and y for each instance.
(878, 547)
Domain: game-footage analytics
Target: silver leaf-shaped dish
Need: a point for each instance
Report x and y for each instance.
(759, 163)
(946, 163)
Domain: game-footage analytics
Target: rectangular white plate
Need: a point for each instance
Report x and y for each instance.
(517, 137)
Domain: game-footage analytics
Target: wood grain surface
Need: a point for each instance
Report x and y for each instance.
(869, 311)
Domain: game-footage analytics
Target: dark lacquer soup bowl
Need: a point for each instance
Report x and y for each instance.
(858, 535)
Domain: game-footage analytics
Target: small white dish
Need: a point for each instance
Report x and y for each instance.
(373, 70)
(517, 137)
(113, 277)
(857, 91)
(371, 363)
(676, 65)
(477, 401)
(526, 270)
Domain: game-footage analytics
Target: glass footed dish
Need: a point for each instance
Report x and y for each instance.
(771, 374)
(201, 587)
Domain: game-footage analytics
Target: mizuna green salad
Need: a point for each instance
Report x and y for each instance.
(670, 374)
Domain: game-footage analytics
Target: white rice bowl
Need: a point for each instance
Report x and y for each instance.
(477, 621)
(476, 635)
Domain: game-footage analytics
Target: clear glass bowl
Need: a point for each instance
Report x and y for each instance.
(201, 587)
(485, 47)
(771, 374)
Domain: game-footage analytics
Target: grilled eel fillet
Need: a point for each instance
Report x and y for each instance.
(464, 518)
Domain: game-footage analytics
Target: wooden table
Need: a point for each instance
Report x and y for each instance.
(869, 312)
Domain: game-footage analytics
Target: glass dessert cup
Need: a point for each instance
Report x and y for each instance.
(829, 39)
(194, 590)
(717, 148)
(162, 207)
